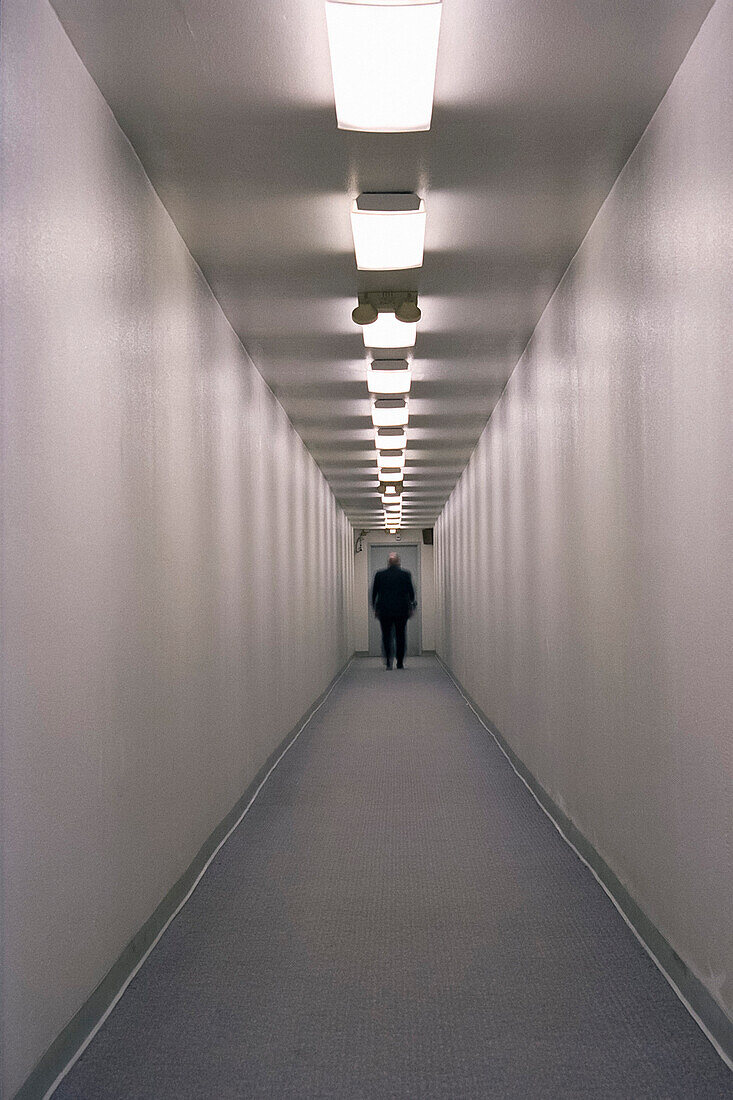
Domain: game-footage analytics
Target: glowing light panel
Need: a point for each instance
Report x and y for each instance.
(390, 439)
(391, 459)
(389, 376)
(383, 59)
(388, 332)
(388, 239)
(389, 412)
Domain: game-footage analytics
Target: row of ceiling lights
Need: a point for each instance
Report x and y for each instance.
(383, 59)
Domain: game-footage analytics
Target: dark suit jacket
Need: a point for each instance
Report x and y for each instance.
(392, 591)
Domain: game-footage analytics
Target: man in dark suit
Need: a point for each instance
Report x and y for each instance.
(393, 600)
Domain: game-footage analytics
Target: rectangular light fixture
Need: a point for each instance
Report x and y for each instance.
(390, 491)
(391, 459)
(391, 475)
(389, 412)
(388, 332)
(388, 231)
(383, 59)
(390, 439)
(389, 376)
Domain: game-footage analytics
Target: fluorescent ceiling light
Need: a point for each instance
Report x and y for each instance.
(389, 412)
(389, 376)
(388, 231)
(388, 332)
(391, 459)
(390, 439)
(391, 475)
(391, 490)
(383, 59)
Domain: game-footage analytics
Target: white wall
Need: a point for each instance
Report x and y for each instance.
(425, 587)
(176, 575)
(584, 561)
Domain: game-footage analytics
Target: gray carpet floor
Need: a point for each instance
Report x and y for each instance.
(396, 917)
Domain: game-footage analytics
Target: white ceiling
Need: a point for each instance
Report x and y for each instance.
(229, 105)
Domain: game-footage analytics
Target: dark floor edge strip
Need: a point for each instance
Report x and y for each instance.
(694, 995)
(71, 1043)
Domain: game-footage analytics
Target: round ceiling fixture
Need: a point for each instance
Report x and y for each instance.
(408, 312)
(364, 314)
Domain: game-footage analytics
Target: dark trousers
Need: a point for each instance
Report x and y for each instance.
(397, 623)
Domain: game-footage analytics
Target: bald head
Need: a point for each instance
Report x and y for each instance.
(393, 559)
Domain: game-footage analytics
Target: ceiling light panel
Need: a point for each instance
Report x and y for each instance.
(394, 474)
(388, 332)
(383, 59)
(388, 231)
(389, 412)
(389, 376)
(390, 439)
(391, 459)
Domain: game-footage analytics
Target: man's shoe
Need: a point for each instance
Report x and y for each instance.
(388, 666)
(400, 666)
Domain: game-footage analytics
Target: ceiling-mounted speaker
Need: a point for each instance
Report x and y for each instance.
(364, 314)
(408, 312)
(388, 306)
(427, 536)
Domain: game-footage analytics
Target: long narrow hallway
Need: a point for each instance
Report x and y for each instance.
(396, 917)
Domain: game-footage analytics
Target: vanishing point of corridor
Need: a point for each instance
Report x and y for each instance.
(396, 917)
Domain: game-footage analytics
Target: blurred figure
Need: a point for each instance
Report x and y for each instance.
(393, 600)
